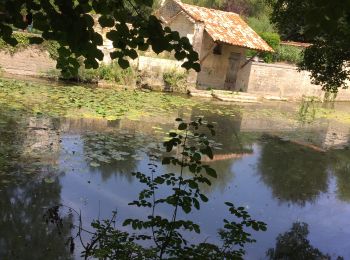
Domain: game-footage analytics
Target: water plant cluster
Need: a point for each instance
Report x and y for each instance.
(79, 101)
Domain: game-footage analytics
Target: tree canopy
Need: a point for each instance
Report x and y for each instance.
(71, 24)
(325, 24)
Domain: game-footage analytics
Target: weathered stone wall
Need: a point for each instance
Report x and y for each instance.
(151, 71)
(183, 25)
(31, 61)
(168, 10)
(283, 81)
(157, 64)
(214, 67)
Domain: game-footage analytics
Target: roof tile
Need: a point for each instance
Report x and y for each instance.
(226, 27)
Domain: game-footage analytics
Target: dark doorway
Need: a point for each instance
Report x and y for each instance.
(232, 70)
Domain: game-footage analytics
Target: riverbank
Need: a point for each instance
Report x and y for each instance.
(274, 82)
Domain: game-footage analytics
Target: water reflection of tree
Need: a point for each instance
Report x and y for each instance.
(24, 234)
(23, 198)
(294, 244)
(295, 173)
(340, 163)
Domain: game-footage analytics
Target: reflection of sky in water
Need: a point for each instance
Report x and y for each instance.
(243, 184)
(278, 180)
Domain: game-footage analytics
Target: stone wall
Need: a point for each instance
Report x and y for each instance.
(31, 61)
(182, 24)
(151, 71)
(283, 80)
(214, 67)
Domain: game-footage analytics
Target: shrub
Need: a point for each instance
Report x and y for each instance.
(87, 75)
(273, 39)
(175, 80)
(23, 40)
(289, 54)
(109, 72)
(23, 43)
(261, 24)
(113, 72)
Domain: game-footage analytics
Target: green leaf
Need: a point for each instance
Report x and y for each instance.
(166, 160)
(106, 21)
(192, 184)
(196, 229)
(127, 222)
(132, 54)
(182, 126)
(211, 172)
(203, 197)
(159, 180)
(196, 203)
(123, 63)
(172, 134)
(36, 40)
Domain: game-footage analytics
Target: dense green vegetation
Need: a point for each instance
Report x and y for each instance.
(23, 40)
(76, 35)
(326, 25)
(108, 72)
(175, 80)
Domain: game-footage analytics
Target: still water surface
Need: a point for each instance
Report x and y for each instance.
(293, 176)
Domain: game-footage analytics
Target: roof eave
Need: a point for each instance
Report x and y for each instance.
(242, 46)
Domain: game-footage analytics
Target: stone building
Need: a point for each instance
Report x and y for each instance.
(221, 40)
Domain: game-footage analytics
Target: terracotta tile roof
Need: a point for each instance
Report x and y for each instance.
(226, 27)
(296, 44)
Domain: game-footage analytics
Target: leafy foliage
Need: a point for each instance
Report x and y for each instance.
(288, 19)
(289, 54)
(273, 39)
(326, 25)
(23, 42)
(207, 3)
(186, 148)
(175, 80)
(71, 24)
(248, 8)
(261, 24)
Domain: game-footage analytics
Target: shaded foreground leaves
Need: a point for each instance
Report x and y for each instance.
(167, 236)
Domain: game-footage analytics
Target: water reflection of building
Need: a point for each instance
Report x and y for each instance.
(24, 197)
(296, 168)
(42, 139)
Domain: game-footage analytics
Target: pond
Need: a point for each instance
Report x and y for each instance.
(287, 165)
